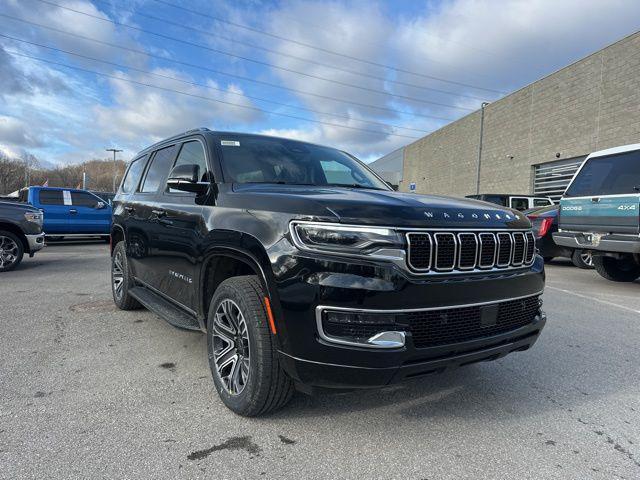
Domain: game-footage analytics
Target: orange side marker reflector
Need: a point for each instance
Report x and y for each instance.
(272, 323)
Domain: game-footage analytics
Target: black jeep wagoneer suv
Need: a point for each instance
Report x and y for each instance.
(306, 270)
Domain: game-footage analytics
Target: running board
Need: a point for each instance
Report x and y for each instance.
(164, 309)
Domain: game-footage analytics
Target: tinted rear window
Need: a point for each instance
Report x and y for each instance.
(541, 202)
(132, 179)
(610, 175)
(158, 169)
(51, 197)
(497, 199)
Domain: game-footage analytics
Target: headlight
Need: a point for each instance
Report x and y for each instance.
(35, 217)
(357, 240)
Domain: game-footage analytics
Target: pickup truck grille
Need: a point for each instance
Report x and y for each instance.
(465, 251)
(431, 328)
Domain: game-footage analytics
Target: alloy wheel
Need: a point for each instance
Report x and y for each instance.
(587, 258)
(231, 353)
(9, 252)
(117, 275)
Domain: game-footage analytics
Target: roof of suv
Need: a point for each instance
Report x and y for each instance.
(218, 134)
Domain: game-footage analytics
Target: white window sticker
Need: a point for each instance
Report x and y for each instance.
(66, 195)
(229, 143)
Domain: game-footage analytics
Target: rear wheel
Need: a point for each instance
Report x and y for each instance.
(582, 259)
(11, 251)
(121, 279)
(623, 269)
(242, 352)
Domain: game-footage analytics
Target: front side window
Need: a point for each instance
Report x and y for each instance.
(82, 199)
(158, 168)
(254, 159)
(51, 197)
(610, 175)
(192, 153)
(134, 173)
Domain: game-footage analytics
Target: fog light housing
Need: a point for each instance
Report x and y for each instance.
(364, 329)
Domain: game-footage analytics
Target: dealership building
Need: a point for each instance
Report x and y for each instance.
(534, 139)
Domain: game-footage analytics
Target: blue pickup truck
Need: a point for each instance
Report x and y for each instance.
(600, 212)
(70, 212)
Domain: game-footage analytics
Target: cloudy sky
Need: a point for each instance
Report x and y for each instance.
(78, 76)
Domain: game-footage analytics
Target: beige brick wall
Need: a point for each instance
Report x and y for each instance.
(590, 105)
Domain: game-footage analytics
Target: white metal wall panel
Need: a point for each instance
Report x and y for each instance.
(552, 179)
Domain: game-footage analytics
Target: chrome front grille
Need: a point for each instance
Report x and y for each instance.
(465, 251)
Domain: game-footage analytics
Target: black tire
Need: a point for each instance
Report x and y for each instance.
(11, 251)
(582, 259)
(617, 269)
(121, 275)
(266, 386)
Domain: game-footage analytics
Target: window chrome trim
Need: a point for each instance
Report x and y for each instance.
(408, 236)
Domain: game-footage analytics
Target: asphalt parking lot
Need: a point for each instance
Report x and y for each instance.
(88, 391)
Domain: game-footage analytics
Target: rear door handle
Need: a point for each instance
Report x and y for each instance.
(73, 211)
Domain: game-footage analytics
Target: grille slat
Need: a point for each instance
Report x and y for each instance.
(468, 251)
(421, 246)
(433, 328)
(465, 251)
(487, 250)
(445, 252)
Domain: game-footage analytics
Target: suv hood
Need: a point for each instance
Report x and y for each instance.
(378, 207)
(25, 207)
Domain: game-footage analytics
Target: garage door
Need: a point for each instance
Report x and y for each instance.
(552, 179)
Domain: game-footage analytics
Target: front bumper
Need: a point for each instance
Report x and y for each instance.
(36, 242)
(623, 243)
(312, 360)
(330, 375)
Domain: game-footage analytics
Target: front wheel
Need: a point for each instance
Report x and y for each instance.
(582, 259)
(11, 251)
(623, 269)
(242, 352)
(121, 279)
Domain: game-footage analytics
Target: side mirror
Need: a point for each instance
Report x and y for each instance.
(185, 178)
(100, 205)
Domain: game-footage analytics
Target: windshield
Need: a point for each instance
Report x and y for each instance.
(248, 159)
(610, 175)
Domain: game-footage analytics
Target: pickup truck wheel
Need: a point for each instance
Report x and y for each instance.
(582, 259)
(121, 280)
(617, 269)
(242, 352)
(11, 251)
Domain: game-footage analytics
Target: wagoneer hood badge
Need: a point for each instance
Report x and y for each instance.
(475, 215)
